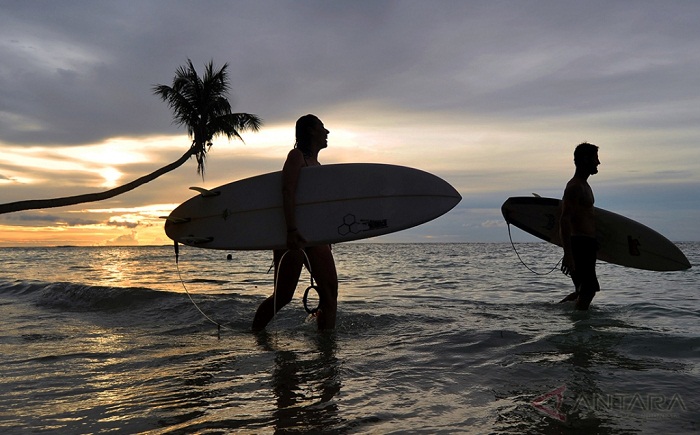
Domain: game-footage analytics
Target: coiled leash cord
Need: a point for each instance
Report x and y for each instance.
(556, 266)
(306, 295)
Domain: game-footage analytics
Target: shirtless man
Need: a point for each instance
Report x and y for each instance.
(577, 227)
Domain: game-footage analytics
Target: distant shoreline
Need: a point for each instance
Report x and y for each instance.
(344, 243)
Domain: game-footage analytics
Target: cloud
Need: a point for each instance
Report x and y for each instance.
(123, 224)
(43, 218)
(124, 240)
(83, 72)
(490, 95)
(493, 224)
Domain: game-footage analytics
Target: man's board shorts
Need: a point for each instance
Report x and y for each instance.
(583, 249)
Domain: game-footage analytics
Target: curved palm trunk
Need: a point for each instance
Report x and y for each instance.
(92, 197)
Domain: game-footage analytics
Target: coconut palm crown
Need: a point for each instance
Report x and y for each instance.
(201, 104)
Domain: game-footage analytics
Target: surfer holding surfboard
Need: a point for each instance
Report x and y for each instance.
(311, 138)
(578, 229)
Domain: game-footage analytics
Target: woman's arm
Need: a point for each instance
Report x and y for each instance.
(290, 180)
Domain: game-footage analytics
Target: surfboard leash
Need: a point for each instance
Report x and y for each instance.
(556, 266)
(274, 292)
(311, 312)
(177, 266)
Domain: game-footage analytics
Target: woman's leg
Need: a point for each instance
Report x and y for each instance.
(287, 271)
(326, 277)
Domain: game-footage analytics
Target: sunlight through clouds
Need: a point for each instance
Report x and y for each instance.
(111, 226)
(112, 152)
(111, 176)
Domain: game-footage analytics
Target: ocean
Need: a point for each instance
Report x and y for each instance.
(431, 338)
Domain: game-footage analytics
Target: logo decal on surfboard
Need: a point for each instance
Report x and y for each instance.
(551, 222)
(352, 225)
(633, 246)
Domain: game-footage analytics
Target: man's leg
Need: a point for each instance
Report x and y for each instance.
(585, 258)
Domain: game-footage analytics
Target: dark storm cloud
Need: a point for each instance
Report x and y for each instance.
(80, 71)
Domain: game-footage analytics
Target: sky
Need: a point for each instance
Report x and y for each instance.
(492, 96)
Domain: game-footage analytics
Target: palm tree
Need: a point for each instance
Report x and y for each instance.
(198, 103)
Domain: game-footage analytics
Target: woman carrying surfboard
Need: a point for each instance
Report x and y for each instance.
(311, 138)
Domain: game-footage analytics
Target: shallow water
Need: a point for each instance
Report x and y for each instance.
(431, 338)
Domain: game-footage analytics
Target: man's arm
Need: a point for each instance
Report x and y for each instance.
(568, 212)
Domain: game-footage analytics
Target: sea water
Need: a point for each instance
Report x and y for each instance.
(430, 338)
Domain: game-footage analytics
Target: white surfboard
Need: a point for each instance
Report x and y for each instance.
(621, 240)
(335, 203)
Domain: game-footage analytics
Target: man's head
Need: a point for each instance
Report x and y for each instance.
(586, 157)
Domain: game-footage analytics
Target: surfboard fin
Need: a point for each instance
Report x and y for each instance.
(175, 220)
(536, 195)
(196, 240)
(205, 192)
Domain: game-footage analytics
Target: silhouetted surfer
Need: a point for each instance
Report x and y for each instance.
(577, 227)
(311, 137)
